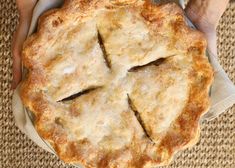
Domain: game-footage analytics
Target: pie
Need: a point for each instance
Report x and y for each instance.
(116, 83)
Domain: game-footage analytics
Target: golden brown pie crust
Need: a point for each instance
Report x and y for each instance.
(99, 129)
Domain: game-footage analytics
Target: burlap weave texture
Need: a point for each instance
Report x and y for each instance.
(216, 148)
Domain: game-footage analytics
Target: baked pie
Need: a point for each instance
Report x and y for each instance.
(116, 83)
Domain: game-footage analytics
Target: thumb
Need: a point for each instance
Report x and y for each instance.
(25, 12)
(17, 43)
(16, 70)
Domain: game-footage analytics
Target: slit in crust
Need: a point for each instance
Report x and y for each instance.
(76, 95)
(155, 62)
(138, 117)
(105, 55)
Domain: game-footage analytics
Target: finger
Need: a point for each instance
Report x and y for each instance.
(25, 8)
(16, 72)
(18, 39)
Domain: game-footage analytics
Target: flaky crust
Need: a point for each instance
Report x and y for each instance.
(131, 140)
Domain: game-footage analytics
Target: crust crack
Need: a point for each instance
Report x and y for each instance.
(155, 62)
(138, 117)
(105, 55)
(76, 95)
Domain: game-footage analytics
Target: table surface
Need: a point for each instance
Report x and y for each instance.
(216, 148)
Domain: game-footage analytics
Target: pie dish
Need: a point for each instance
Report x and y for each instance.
(116, 83)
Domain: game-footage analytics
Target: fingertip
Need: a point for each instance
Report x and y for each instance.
(16, 77)
(13, 85)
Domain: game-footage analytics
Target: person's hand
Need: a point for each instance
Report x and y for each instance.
(205, 15)
(25, 8)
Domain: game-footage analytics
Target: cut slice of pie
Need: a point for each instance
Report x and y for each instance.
(116, 83)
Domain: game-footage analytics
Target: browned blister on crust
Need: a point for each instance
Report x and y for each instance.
(116, 83)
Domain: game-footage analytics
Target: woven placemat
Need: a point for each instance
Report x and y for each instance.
(216, 148)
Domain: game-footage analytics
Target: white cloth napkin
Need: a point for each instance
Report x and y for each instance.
(222, 91)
